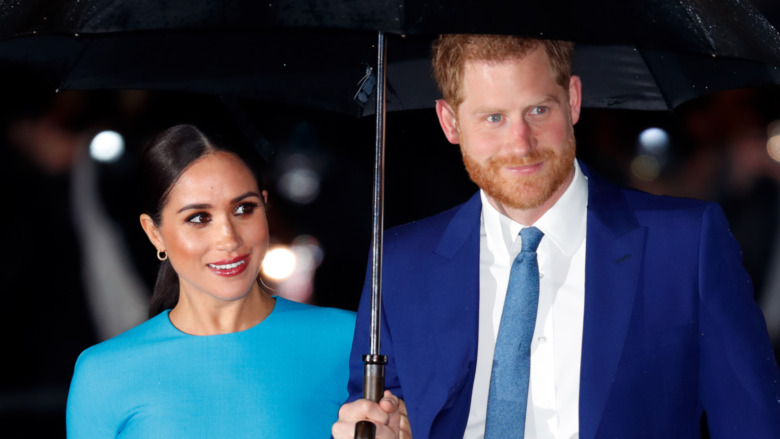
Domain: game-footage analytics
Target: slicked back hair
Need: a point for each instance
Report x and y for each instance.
(164, 160)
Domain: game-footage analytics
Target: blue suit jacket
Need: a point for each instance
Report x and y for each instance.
(670, 330)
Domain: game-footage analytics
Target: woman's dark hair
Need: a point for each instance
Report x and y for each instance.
(164, 159)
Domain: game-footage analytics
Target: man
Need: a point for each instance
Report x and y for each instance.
(645, 321)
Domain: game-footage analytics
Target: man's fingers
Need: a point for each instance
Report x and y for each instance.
(346, 430)
(343, 430)
(363, 409)
(405, 429)
(389, 403)
(388, 415)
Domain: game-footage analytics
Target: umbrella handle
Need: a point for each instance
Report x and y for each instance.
(373, 388)
(365, 430)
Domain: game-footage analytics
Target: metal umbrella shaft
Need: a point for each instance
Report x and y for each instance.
(373, 362)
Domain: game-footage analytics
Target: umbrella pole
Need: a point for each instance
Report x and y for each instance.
(373, 362)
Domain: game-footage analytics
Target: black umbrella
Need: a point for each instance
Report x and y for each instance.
(642, 54)
(648, 54)
(726, 27)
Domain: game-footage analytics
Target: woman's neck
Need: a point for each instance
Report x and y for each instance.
(213, 316)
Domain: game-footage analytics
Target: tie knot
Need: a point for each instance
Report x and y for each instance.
(531, 238)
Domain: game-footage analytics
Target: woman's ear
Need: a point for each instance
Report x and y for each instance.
(151, 232)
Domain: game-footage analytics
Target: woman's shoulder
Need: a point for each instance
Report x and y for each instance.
(297, 312)
(120, 346)
(304, 329)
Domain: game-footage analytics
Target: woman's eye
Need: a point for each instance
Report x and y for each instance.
(245, 208)
(198, 218)
(494, 118)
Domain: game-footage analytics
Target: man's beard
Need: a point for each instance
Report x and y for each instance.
(523, 192)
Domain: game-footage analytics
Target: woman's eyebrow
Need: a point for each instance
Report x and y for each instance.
(194, 207)
(245, 195)
(197, 206)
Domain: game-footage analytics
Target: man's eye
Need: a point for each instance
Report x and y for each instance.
(494, 118)
(245, 208)
(539, 110)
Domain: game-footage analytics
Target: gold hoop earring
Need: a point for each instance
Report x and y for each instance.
(162, 255)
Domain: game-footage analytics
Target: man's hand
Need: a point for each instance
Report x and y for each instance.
(389, 416)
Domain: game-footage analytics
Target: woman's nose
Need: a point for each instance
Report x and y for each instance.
(228, 238)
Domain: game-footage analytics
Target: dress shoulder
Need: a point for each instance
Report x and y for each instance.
(147, 332)
(290, 308)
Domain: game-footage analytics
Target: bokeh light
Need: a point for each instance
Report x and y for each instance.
(291, 268)
(773, 144)
(300, 185)
(653, 144)
(299, 181)
(654, 141)
(279, 263)
(107, 147)
(308, 252)
(645, 167)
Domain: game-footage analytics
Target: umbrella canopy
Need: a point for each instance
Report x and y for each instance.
(650, 55)
(730, 28)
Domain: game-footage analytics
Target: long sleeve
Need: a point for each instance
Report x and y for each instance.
(739, 379)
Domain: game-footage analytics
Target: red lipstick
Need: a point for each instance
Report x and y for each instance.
(230, 267)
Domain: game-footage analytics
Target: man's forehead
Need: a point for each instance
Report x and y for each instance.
(486, 67)
(506, 58)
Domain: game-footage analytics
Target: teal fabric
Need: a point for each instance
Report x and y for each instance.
(508, 396)
(283, 378)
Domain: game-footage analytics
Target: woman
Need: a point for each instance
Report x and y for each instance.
(220, 358)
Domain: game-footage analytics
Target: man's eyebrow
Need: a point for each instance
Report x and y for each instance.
(494, 110)
(546, 100)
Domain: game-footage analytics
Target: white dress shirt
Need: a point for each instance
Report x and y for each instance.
(553, 396)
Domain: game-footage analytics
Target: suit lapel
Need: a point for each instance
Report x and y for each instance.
(448, 354)
(614, 252)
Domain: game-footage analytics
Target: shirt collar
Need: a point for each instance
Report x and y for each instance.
(564, 224)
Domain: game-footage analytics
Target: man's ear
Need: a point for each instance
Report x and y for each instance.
(151, 232)
(448, 121)
(575, 98)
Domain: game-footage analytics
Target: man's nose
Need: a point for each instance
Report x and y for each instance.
(521, 141)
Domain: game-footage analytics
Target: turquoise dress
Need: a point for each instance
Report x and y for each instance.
(283, 378)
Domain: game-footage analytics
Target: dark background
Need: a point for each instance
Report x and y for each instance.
(717, 151)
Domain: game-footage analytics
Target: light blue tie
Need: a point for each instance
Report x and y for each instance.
(508, 394)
